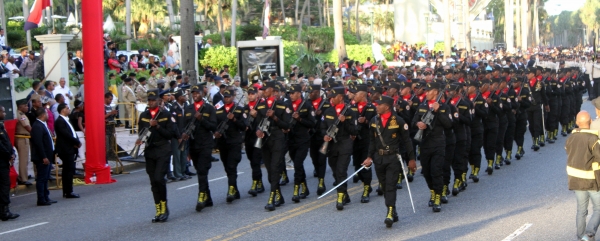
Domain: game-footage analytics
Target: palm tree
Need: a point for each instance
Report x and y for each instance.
(221, 28)
(188, 44)
(338, 27)
(233, 20)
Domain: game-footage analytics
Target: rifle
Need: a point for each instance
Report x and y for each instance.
(223, 126)
(143, 137)
(264, 127)
(189, 130)
(293, 121)
(427, 119)
(332, 132)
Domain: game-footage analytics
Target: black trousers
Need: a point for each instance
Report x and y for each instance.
(387, 169)
(448, 162)
(231, 156)
(554, 114)
(573, 109)
(432, 162)
(298, 155)
(534, 117)
(459, 161)
(502, 126)
(67, 172)
(359, 154)
(319, 160)
(254, 155)
(475, 151)
(489, 142)
(565, 110)
(4, 183)
(467, 149)
(509, 135)
(339, 160)
(596, 87)
(202, 160)
(157, 168)
(41, 180)
(272, 152)
(520, 128)
(578, 103)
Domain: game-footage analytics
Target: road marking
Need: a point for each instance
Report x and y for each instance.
(19, 229)
(196, 184)
(517, 232)
(283, 216)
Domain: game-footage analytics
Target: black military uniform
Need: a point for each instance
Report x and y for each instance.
(201, 143)
(490, 126)
(298, 140)
(461, 121)
(340, 149)
(253, 154)
(534, 113)
(433, 145)
(479, 111)
(506, 108)
(523, 100)
(230, 136)
(565, 83)
(392, 129)
(509, 136)
(361, 142)
(450, 146)
(404, 110)
(7, 155)
(157, 152)
(319, 159)
(274, 142)
(554, 101)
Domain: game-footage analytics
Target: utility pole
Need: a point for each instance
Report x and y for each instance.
(509, 29)
(447, 34)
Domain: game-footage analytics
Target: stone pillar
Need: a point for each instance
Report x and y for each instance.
(55, 52)
(177, 39)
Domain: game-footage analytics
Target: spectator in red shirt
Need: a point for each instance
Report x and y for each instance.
(113, 63)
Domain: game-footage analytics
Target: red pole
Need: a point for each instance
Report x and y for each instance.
(94, 99)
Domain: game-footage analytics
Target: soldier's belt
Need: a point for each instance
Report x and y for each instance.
(383, 152)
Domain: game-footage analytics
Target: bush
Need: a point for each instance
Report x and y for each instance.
(22, 83)
(248, 32)
(219, 56)
(354, 52)
(438, 47)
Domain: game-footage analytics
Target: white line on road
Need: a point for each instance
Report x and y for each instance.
(19, 229)
(517, 232)
(196, 184)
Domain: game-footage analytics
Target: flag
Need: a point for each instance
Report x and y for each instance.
(35, 15)
(267, 19)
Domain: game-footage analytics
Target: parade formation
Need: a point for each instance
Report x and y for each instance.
(442, 117)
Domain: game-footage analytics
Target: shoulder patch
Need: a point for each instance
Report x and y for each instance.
(188, 114)
(329, 117)
(238, 111)
(206, 114)
(280, 107)
(422, 110)
(219, 112)
(463, 107)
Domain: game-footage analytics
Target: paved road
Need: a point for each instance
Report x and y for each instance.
(527, 200)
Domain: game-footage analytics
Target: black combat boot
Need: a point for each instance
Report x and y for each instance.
(437, 206)
(164, 211)
(271, 203)
(284, 179)
(321, 188)
(339, 204)
(444, 197)
(278, 198)
(389, 219)
(304, 193)
(158, 213)
(253, 190)
(296, 197)
(365, 196)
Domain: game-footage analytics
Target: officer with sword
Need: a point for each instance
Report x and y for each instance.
(387, 133)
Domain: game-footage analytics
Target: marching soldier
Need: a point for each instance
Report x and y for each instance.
(403, 109)
(509, 136)
(365, 112)
(277, 114)
(387, 134)
(553, 92)
(450, 142)
(490, 123)
(340, 149)
(157, 151)
(319, 159)
(128, 96)
(566, 101)
(506, 108)
(202, 114)
(434, 142)
(303, 120)
(479, 112)
(230, 136)
(461, 120)
(180, 161)
(254, 154)
(534, 113)
(7, 159)
(523, 100)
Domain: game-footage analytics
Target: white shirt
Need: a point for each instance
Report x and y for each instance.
(49, 133)
(213, 91)
(10, 68)
(70, 126)
(3, 40)
(62, 90)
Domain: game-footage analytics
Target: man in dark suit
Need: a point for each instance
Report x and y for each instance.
(7, 158)
(219, 95)
(67, 148)
(42, 151)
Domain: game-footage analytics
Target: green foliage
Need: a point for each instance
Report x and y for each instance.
(218, 56)
(155, 46)
(310, 63)
(75, 80)
(22, 83)
(291, 51)
(248, 32)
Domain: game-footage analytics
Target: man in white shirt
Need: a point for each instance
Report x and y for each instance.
(216, 88)
(3, 41)
(65, 91)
